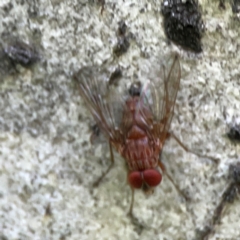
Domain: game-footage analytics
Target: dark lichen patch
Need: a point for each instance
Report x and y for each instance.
(115, 76)
(183, 23)
(22, 53)
(235, 6)
(122, 46)
(122, 28)
(234, 133)
(234, 173)
(123, 37)
(233, 127)
(17, 52)
(222, 5)
(95, 133)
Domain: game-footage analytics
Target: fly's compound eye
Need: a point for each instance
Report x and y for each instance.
(151, 177)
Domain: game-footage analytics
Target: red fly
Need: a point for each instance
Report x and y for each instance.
(137, 126)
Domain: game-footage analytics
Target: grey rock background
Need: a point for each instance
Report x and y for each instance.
(46, 157)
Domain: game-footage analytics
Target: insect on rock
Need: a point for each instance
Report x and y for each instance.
(136, 126)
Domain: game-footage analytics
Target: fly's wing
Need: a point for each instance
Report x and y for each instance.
(106, 109)
(159, 96)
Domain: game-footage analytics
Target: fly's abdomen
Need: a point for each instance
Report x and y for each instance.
(142, 156)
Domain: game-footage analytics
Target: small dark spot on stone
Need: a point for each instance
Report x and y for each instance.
(122, 28)
(95, 133)
(48, 211)
(234, 133)
(234, 172)
(122, 46)
(8, 7)
(222, 4)
(115, 76)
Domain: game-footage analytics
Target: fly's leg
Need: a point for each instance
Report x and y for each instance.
(161, 165)
(135, 221)
(181, 193)
(215, 160)
(96, 183)
(130, 212)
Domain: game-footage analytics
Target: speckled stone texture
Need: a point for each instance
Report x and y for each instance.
(47, 164)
